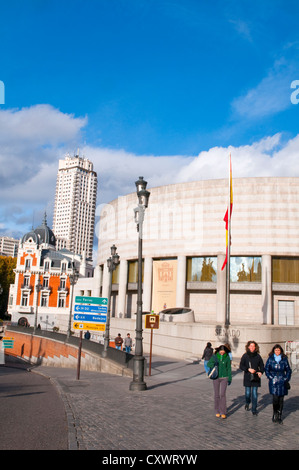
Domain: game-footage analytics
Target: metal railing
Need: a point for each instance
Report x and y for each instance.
(292, 351)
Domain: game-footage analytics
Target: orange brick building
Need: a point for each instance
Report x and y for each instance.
(39, 263)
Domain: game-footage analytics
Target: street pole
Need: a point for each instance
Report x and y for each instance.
(138, 360)
(38, 288)
(112, 262)
(73, 279)
(79, 356)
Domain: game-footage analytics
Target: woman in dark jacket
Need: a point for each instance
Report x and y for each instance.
(206, 356)
(253, 366)
(279, 373)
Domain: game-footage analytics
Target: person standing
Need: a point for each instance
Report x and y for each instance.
(279, 373)
(128, 343)
(206, 356)
(253, 367)
(87, 335)
(118, 341)
(224, 379)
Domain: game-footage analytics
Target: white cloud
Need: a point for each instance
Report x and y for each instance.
(118, 170)
(270, 96)
(29, 164)
(41, 124)
(31, 142)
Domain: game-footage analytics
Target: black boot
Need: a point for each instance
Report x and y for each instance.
(279, 418)
(279, 412)
(274, 417)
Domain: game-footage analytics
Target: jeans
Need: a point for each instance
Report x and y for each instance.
(207, 369)
(251, 397)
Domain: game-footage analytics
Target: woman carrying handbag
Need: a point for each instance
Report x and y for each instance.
(253, 367)
(222, 360)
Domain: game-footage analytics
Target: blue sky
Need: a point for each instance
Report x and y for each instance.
(163, 89)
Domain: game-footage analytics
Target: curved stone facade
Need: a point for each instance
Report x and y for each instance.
(185, 221)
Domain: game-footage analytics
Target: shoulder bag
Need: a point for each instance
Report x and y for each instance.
(213, 374)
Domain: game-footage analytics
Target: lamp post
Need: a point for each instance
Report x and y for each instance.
(138, 360)
(38, 288)
(73, 280)
(112, 262)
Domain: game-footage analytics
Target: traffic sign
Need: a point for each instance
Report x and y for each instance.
(84, 307)
(91, 308)
(79, 317)
(82, 299)
(8, 343)
(152, 321)
(89, 326)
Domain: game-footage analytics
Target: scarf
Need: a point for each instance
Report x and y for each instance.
(277, 358)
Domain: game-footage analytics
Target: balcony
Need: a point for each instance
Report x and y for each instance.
(47, 289)
(25, 286)
(63, 289)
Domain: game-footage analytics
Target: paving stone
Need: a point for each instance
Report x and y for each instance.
(176, 412)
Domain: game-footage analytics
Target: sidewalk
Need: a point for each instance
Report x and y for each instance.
(175, 413)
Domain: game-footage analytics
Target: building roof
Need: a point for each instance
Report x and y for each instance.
(41, 235)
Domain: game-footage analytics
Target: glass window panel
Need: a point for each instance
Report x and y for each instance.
(285, 270)
(133, 271)
(115, 275)
(245, 269)
(202, 269)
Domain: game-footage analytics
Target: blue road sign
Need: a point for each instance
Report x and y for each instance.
(90, 318)
(91, 308)
(83, 299)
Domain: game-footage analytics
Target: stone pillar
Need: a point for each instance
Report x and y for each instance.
(147, 284)
(98, 273)
(266, 307)
(122, 288)
(105, 281)
(181, 281)
(221, 290)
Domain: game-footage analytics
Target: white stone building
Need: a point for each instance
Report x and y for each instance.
(184, 236)
(9, 246)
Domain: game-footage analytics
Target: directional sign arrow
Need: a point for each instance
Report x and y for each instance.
(82, 299)
(90, 318)
(91, 308)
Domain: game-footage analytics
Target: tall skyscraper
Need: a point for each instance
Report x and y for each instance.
(75, 205)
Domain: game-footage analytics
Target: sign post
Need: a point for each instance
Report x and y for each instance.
(152, 321)
(79, 356)
(90, 313)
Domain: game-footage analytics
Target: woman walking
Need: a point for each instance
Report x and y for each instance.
(253, 367)
(279, 373)
(206, 356)
(224, 379)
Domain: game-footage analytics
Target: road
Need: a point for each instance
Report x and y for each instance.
(32, 412)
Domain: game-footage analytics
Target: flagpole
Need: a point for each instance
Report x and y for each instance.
(227, 312)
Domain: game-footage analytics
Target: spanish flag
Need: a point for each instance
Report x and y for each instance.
(230, 204)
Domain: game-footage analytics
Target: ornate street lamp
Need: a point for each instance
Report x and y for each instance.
(73, 277)
(112, 262)
(38, 288)
(138, 360)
